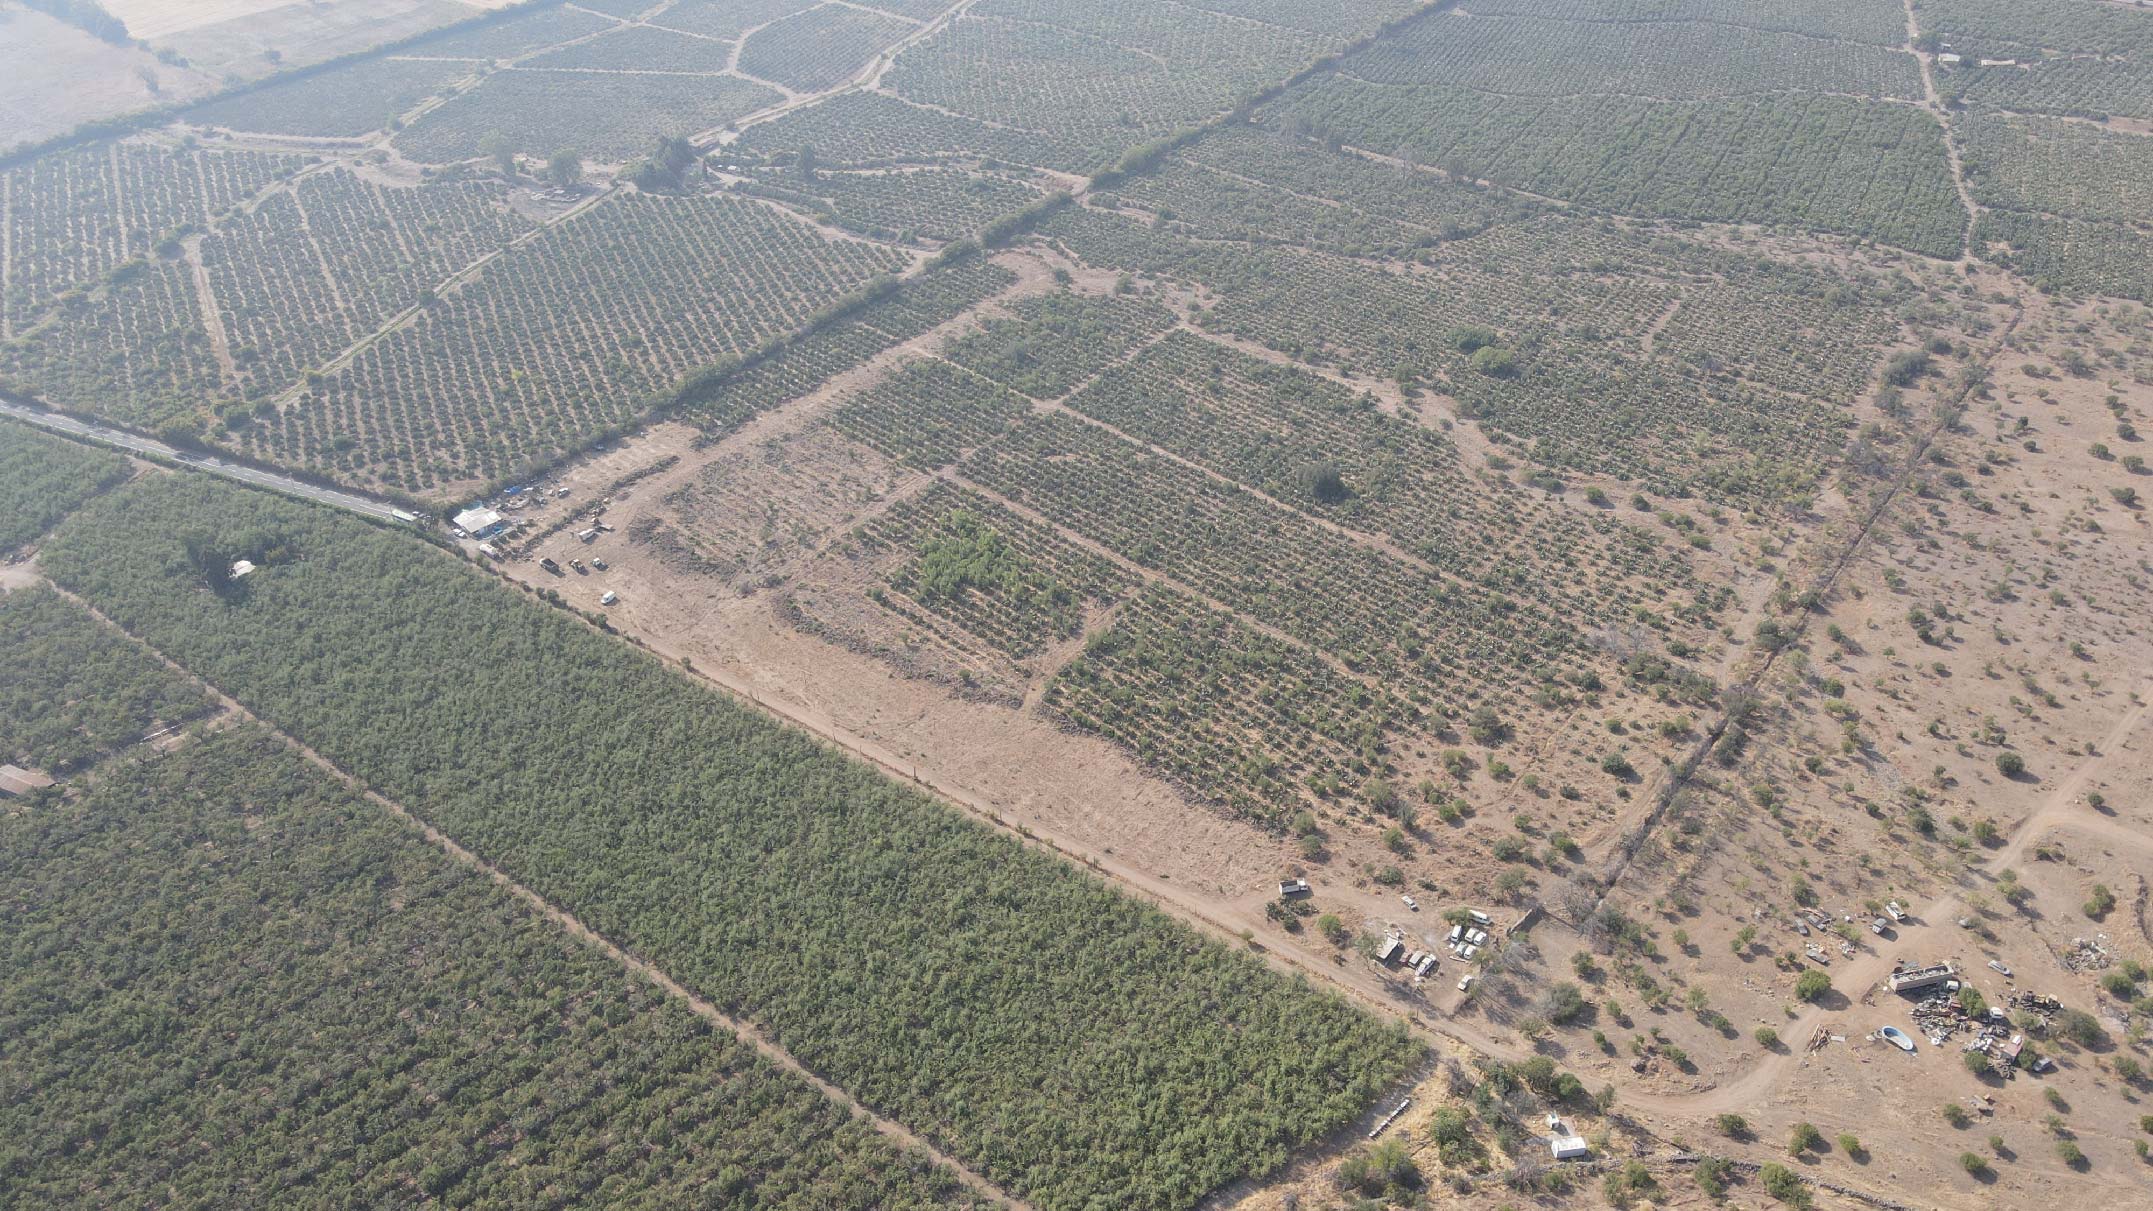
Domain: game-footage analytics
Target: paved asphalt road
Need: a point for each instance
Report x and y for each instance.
(205, 462)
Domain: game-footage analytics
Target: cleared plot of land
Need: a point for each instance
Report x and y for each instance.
(54, 78)
(316, 972)
(566, 335)
(820, 48)
(249, 45)
(343, 102)
(1833, 164)
(640, 48)
(154, 19)
(75, 690)
(605, 116)
(43, 479)
(998, 1001)
(1527, 57)
(751, 511)
(517, 35)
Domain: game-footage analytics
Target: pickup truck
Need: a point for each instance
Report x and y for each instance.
(548, 564)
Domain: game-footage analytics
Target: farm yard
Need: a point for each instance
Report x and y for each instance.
(1203, 603)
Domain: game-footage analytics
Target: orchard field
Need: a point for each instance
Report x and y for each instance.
(992, 493)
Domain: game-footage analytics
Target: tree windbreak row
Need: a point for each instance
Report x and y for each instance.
(1079, 1048)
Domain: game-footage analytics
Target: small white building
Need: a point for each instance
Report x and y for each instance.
(479, 523)
(1562, 1143)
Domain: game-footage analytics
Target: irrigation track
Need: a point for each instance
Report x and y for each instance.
(575, 928)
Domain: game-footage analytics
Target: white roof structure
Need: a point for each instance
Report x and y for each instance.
(1568, 1147)
(472, 521)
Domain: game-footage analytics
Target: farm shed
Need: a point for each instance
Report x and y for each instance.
(479, 523)
(1389, 950)
(15, 780)
(1568, 1147)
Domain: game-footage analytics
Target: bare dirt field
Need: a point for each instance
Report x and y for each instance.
(54, 77)
(247, 39)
